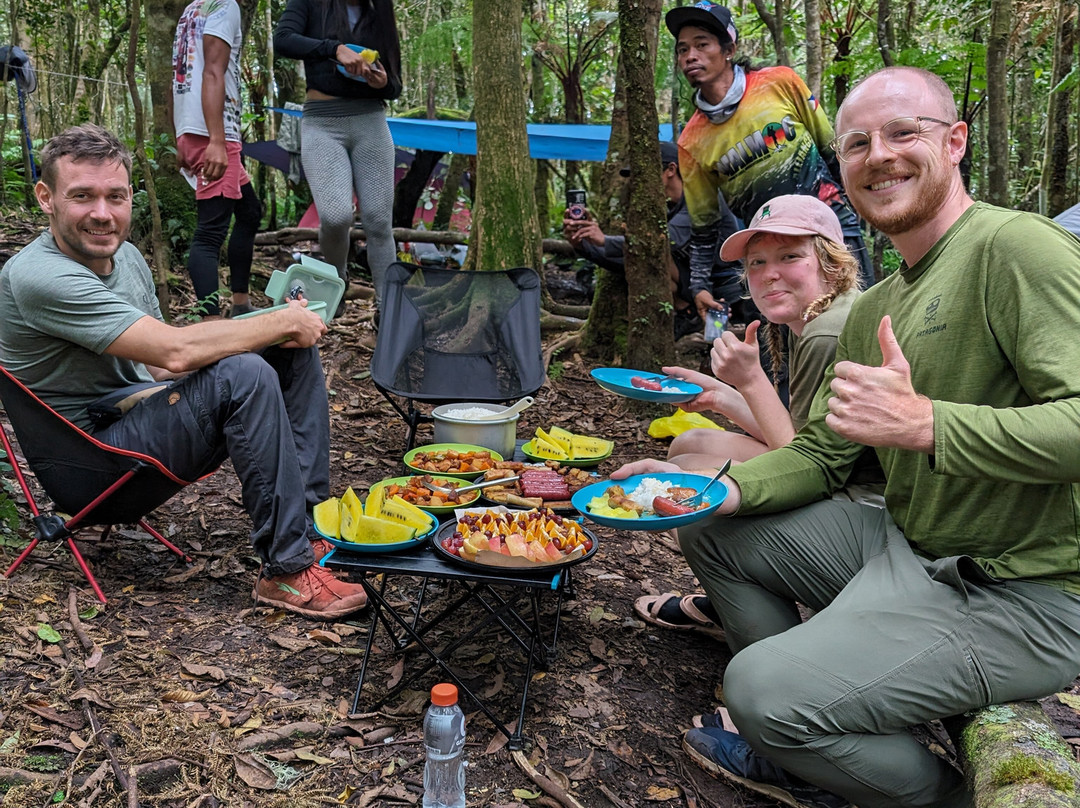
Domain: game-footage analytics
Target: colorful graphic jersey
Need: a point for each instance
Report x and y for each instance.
(221, 19)
(775, 143)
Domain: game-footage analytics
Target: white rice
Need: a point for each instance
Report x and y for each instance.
(666, 389)
(468, 413)
(647, 490)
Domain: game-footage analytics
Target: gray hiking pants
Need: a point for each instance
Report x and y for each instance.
(267, 413)
(897, 640)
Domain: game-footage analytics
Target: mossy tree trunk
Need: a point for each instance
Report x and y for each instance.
(505, 232)
(650, 343)
(604, 336)
(1013, 755)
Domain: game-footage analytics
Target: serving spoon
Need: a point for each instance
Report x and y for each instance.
(523, 404)
(440, 489)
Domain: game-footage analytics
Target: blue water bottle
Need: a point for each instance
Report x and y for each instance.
(444, 741)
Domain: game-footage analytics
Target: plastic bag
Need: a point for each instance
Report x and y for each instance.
(681, 421)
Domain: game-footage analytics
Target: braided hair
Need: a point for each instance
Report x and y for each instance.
(841, 271)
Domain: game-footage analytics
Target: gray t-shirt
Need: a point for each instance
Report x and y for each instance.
(57, 317)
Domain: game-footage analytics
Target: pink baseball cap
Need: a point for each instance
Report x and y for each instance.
(789, 215)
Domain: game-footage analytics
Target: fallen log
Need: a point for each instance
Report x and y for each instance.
(291, 235)
(1013, 755)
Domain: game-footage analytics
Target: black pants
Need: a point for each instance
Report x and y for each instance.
(213, 225)
(268, 414)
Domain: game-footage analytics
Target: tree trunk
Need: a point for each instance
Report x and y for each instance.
(1023, 111)
(650, 342)
(886, 38)
(604, 336)
(775, 23)
(504, 226)
(1053, 193)
(997, 102)
(814, 59)
(1013, 755)
(408, 192)
(160, 253)
(449, 194)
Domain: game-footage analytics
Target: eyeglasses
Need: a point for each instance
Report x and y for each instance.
(897, 135)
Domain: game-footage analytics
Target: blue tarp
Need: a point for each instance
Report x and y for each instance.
(547, 141)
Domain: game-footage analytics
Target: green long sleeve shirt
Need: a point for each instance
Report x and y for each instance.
(989, 321)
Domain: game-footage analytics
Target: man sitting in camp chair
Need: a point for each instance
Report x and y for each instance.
(79, 319)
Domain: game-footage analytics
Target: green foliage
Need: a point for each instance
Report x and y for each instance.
(43, 763)
(556, 370)
(200, 308)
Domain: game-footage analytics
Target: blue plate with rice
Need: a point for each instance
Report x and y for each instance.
(643, 488)
(620, 380)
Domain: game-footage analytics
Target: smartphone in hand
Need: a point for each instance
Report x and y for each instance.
(575, 204)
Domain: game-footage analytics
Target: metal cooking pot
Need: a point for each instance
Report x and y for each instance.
(499, 435)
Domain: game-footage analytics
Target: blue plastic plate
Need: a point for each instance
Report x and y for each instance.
(717, 494)
(617, 380)
(341, 68)
(391, 547)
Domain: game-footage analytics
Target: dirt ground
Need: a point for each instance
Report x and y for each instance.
(211, 701)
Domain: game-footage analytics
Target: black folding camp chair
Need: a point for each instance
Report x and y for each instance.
(98, 483)
(451, 336)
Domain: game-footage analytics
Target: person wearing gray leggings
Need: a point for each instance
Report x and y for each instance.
(346, 146)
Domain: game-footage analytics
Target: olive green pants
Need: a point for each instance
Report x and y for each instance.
(897, 640)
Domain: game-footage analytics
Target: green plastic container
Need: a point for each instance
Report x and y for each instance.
(312, 279)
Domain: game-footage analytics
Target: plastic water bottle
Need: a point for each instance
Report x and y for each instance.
(444, 740)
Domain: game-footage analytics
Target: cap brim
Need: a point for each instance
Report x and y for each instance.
(734, 247)
(681, 16)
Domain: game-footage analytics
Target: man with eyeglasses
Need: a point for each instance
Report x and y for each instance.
(960, 371)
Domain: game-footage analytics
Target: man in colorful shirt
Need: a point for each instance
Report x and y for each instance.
(206, 117)
(756, 135)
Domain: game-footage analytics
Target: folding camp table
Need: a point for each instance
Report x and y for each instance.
(512, 602)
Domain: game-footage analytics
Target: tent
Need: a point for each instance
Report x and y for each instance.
(1070, 220)
(547, 141)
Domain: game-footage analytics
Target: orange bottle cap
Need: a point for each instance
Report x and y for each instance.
(444, 695)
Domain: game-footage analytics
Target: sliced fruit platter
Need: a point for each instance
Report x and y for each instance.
(546, 485)
(461, 460)
(413, 491)
(504, 538)
(567, 447)
(380, 525)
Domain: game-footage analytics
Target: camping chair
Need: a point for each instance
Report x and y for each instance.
(98, 483)
(451, 336)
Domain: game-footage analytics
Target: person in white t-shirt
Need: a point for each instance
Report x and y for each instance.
(206, 117)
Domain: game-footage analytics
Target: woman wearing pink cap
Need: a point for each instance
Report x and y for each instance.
(800, 275)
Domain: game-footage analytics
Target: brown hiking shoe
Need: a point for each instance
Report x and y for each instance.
(322, 548)
(312, 592)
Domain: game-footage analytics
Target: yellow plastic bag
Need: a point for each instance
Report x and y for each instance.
(678, 423)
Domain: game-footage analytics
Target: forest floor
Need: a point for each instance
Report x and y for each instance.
(213, 701)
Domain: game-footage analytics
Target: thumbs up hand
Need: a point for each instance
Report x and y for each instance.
(877, 406)
(738, 362)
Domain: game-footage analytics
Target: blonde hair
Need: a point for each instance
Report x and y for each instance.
(841, 271)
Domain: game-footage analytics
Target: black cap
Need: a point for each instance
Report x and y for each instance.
(669, 153)
(707, 15)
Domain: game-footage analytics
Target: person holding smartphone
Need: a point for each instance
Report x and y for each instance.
(346, 146)
(609, 252)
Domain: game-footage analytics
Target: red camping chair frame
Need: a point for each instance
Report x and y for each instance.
(136, 475)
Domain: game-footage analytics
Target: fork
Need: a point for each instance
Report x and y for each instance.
(695, 499)
(441, 489)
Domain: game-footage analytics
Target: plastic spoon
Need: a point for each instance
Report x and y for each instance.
(524, 404)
